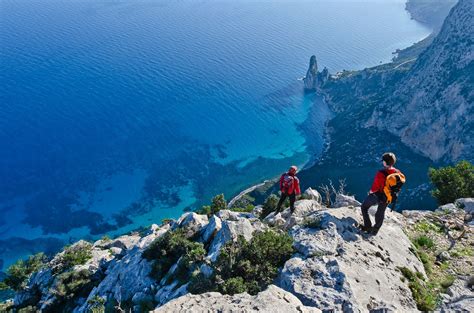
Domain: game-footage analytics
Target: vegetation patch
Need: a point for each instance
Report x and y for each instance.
(217, 203)
(423, 241)
(453, 182)
(19, 272)
(425, 296)
(246, 266)
(269, 205)
(76, 254)
(167, 249)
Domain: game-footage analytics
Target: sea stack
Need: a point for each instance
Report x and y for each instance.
(311, 79)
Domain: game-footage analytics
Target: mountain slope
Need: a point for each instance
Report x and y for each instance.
(432, 107)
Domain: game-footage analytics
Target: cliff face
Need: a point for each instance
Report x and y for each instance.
(432, 107)
(430, 12)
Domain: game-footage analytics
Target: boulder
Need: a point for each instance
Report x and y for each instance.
(231, 229)
(313, 194)
(192, 223)
(467, 204)
(208, 232)
(343, 200)
(450, 207)
(273, 299)
(459, 297)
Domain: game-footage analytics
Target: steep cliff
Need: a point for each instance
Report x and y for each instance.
(430, 12)
(432, 107)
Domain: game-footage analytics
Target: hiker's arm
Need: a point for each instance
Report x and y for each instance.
(297, 186)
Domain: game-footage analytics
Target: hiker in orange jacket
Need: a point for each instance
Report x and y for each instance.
(377, 195)
(289, 187)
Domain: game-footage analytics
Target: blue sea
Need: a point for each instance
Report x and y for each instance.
(117, 114)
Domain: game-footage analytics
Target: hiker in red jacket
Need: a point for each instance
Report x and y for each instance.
(289, 187)
(377, 195)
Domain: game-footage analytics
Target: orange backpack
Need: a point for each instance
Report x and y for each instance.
(393, 185)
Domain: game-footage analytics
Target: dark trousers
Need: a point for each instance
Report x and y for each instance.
(373, 199)
(283, 197)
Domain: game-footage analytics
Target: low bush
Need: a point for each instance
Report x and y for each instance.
(19, 272)
(423, 241)
(168, 249)
(270, 205)
(96, 305)
(425, 297)
(217, 203)
(453, 182)
(76, 254)
(244, 266)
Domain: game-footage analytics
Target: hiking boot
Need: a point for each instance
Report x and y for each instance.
(364, 228)
(374, 231)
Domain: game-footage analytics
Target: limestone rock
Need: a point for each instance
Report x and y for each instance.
(271, 300)
(467, 204)
(460, 297)
(342, 269)
(214, 225)
(192, 223)
(313, 194)
(450, 207)
(345, 200)
(233, 225)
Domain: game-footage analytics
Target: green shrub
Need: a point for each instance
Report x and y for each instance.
(249, 208)
(453, 182)
(217, 203)
(234, 285)
(270, 205)
(166, 251)
(76, 254)
(73, 283)
(427, 262)
(423, 241)
(312, 222)
(424, 295)
(243, 204)
(96, 304)
(426, 227)
(19, 272)
(244, 266)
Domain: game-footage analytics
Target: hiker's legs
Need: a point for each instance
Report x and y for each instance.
(379, 216)
(368, 202)
(292, 202)
(282, 199)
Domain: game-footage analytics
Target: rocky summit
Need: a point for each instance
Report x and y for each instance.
(334, 267)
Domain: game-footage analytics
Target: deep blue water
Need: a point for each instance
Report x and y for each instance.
(117, 114)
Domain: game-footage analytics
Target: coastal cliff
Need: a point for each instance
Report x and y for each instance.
(434, 102)
(331, 265)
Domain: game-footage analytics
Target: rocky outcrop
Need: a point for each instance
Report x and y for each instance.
(314, 79)
(434, 101)
(334, 266)
(341, 269)
(273, 299)
(234, 224)
(311, 78)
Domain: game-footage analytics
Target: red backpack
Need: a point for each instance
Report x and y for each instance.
(286, 182)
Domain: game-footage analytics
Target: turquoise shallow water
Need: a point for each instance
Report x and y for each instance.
(116, 114)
